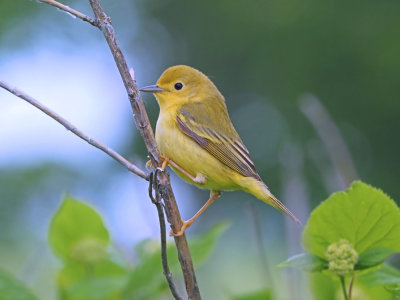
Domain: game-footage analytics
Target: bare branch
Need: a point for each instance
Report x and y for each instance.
(119, 158)
(103, 22)
(164, 258)
(71, 11)
(143, 125)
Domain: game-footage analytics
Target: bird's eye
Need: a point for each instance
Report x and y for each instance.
(178, 86)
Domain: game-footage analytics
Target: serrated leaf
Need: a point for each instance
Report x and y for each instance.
(77, 232)
(12, 289)
(373, 257)
(384, 275)
(306, 262)
(363, 215)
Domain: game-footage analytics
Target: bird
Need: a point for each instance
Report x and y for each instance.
(197, 139)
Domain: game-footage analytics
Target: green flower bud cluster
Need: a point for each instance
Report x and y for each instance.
(341, 257)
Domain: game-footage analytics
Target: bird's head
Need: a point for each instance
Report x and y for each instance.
(181, 84)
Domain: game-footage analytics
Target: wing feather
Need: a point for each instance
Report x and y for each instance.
(217, 137)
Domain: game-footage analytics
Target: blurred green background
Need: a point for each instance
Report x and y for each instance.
(312, 87)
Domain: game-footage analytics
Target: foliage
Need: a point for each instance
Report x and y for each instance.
(147, 280)
(343, 52)
(264, 294)
(362, 215)
(77, 233)
(79, 237)
(353, 233)
(12, 289)
(327, 288)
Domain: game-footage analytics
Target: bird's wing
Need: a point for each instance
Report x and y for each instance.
(208, 124)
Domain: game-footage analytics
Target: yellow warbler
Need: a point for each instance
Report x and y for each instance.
(197, 139)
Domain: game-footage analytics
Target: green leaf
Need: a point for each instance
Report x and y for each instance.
(146, 248)
(264, 294)
(373, 257)
(323, 287)
(77, 232)
(13, 289)
(103, 280)
(387, 276)
(146, 281)
(95, 288)
(73, 272)
(384, 275)
(306, 262)
(394, 289)
(201, 247)
(364, 216)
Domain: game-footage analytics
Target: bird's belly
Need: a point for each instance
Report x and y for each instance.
(189, 155)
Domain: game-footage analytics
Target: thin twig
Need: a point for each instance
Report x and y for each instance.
(71, 11)
(164, 259)
(143, 125)
(119, 158)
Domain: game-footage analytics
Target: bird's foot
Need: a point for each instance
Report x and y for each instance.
(165, 162)
(185, 225)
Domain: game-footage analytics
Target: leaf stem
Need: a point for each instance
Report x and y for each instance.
(343, 284)
(351, 285)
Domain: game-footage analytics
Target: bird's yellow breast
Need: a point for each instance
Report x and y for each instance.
(174, 144)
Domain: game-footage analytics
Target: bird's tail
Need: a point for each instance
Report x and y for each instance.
(261, 191)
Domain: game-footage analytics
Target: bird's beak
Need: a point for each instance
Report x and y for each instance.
(151, 89)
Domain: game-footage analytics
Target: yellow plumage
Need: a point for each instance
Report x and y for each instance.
(196, 137)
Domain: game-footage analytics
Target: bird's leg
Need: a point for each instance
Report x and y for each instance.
(199, 179)
(165, 162)
(186, 224)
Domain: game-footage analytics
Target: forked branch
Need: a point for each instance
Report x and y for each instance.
(143, 125)
(103, 22)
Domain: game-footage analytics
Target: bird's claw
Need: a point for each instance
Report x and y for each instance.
(185, 225)
(165, 162)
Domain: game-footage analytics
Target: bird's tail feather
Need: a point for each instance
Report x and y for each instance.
(262, 192)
